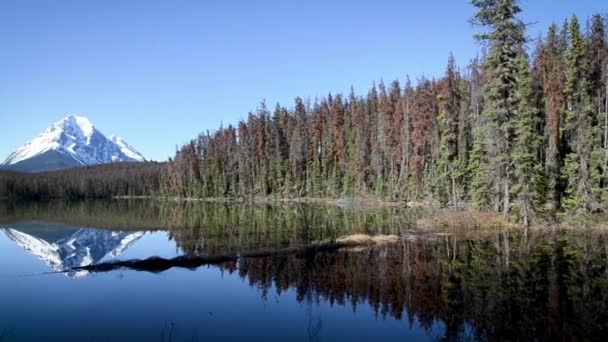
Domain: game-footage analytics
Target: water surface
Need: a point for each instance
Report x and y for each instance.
(260, 275)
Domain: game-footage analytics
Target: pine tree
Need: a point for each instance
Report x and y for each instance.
(479, 168)
(405, 140)
(580, 129)
(338, 140)
(597, 56)
(506, 39)
(597, 53)
(530, 188)
(449, 120)
(551, 65)
(423, 111)
(298, 154)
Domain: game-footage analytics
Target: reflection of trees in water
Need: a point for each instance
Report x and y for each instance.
(228, 229)
(217, 221)
(507, 287)
(109, 214)
(7, 333)
(518, 286)
(315, 323)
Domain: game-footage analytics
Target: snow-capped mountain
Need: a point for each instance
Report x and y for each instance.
(73, 141)
(82, 248)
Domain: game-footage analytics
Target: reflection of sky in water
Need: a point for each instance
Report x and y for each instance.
(63, 251)
(203, 303)
(151, 244)
(15, 260)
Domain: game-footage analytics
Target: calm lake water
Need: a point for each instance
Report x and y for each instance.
(145, 270)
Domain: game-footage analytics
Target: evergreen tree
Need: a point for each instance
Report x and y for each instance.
(506, 39)
(551, 65)
(530, 187)
(449, 120)
(580, 129)
(597, 56)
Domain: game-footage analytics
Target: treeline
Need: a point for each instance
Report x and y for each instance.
(524, 134)
(100, 181)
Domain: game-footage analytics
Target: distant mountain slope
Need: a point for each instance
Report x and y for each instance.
(73, 141)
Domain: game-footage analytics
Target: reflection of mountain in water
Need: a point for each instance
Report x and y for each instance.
(81, 247)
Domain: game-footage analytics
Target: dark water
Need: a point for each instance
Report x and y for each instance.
(142, 270)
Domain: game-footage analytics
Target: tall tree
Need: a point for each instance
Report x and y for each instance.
(449, 119)
(551, 69)
(597, 56)
(298, 153)
(423, 111)
(580, 127)
(528, 166)
(506, 38)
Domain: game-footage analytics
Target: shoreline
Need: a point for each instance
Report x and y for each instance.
(431, 218)
(355, 202)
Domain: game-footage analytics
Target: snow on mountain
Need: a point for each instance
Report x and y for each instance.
(126, 149)
(84, 247)
(74, 138)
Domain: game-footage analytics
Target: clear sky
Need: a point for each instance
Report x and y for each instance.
(159, 72)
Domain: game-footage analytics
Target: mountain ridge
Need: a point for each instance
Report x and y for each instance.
(71, 142)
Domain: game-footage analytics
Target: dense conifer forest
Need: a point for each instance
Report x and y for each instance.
(522, 130)
(100, 181)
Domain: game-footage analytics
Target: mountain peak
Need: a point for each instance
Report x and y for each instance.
(81, 122)
(72, 141)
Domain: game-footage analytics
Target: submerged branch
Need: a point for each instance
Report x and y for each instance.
(158, 264)
(154, 264)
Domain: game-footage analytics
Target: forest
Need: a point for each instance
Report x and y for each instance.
(522, 130)
(87, 182)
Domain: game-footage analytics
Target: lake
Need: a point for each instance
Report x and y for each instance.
(168, 271)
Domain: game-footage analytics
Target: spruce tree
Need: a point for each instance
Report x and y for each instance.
(551, 65)
(449, 120)
(530, 187)
(580, 130)
(597, 56)
(495, 171)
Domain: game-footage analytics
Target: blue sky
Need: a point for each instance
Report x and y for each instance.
(159, 72)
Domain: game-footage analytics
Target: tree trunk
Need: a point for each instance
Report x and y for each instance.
(606, 116)
(506, 199)
(454, 195)
(405, 158)
(526, 213)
